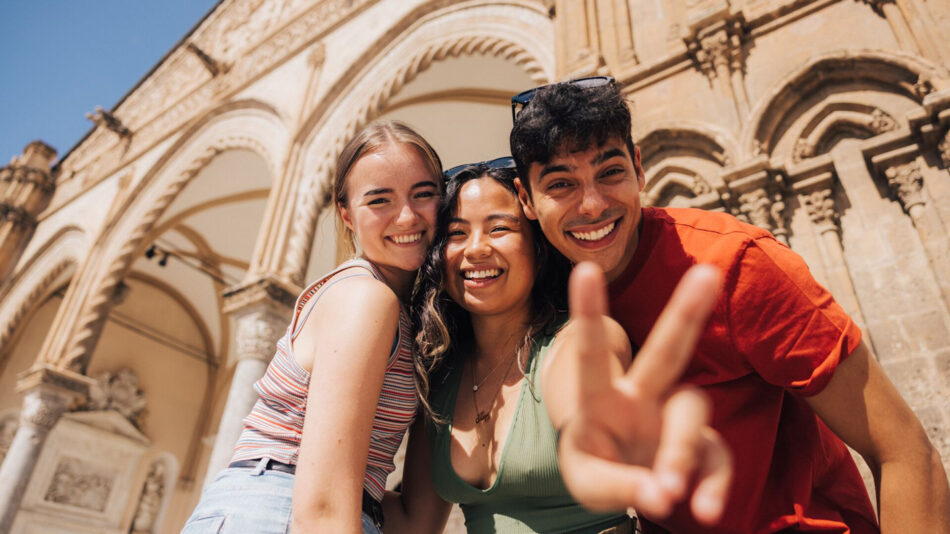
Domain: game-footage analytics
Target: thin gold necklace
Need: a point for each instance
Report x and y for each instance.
(486, 415)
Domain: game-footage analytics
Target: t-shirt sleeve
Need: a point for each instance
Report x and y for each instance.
(789, 328)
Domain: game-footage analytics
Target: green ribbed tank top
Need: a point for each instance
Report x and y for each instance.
(528, 494)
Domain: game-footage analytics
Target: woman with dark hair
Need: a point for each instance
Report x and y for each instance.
(489, 303)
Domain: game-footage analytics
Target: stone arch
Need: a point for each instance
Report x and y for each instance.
(688, 138)
(840, 119)
(519, 32)
(896, 73)
(248, 125)
(34, 281)
(669, 181)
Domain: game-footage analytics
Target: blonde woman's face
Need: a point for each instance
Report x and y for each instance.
(391, 207)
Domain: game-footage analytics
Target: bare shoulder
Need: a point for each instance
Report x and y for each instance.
(361, 296)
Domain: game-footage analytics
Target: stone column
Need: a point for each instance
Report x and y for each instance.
(26, 187)
(715, 44)
(820, 205)
(260, 311)
(906, 183)
(47, 394)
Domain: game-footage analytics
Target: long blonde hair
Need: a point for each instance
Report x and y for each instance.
(369, 140)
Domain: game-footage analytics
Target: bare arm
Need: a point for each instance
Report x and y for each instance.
(347, 340)
(862, 406)
(418, 509)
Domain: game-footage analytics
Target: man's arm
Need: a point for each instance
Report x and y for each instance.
(862, 406)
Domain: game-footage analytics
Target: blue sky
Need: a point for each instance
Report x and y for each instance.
(61, 58)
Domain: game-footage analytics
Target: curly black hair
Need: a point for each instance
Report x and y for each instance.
(565, 116)
(443, 328)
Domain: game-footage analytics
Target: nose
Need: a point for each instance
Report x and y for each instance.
(593, 203)
(478, 245)
(407, 216)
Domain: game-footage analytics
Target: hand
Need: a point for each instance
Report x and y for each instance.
(637, 439)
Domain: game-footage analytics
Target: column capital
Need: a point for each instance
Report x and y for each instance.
(48, 392)
(944, 148)
(906, 183)
(820, 206)
(267, 291)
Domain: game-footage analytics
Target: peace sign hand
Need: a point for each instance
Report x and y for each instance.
(636, 438)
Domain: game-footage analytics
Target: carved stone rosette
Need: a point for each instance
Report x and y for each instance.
(820, 206)
(906, 183)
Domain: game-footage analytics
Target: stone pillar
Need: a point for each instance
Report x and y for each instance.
(820, 205)
(260, 311)
(906, 183)
(47, 394)
(576, 25)
(26, 187)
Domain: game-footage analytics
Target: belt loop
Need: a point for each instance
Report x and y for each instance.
(261, 466)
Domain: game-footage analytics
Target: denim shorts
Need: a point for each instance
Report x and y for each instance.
(241, 500)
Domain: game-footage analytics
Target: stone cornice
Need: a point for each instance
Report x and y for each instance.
(267, 291)
(181, 88)
(62, 381)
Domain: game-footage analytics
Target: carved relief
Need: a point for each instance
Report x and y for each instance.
(766, 211)
(944, 147)
(803, 150)
(120, 392)
(718, 50)
(150, 503)
(882, 122)
(820, 206)
(256, 335)
(906, 183)
(80, 484)
(8, 428)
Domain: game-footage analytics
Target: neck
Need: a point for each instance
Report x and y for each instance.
(629, 252)
(498, 337)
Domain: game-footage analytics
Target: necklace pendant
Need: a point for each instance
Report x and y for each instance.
(482, 416)
(475, 387)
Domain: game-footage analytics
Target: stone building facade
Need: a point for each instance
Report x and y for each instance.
(145, 275)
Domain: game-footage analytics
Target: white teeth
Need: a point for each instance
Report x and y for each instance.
(408, 238)
(595, 235)
(484, 273)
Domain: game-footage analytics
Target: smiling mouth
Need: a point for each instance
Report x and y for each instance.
(406, 239)
(481, 274)
(594, 235)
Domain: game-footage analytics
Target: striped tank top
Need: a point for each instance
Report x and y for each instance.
(274, 427)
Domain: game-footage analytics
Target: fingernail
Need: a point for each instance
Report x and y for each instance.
(672, 482)
(707, 507)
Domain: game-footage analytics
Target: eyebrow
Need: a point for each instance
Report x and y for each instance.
(492, 217)
(607, 154)
(552, 169)
(384, 190)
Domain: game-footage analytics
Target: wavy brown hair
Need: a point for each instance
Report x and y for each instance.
(443, 328)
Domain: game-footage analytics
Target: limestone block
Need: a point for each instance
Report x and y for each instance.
(85, 478)
(929, 329)
(890, 340)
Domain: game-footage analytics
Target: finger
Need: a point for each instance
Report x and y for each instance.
(685, 416)
(714, 480)
(668, 348)
(587, 294)
(601, 484)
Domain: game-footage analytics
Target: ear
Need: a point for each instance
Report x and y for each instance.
(345, 215)
(525, 198)
(637, 164)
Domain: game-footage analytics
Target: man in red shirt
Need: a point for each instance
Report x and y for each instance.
(789, 379)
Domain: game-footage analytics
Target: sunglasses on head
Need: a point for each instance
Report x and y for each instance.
(505, 162)
(520, 100)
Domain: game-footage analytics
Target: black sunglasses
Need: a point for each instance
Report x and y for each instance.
(520, 100)
(506, 162)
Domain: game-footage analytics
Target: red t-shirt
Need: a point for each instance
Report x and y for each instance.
(775, 337)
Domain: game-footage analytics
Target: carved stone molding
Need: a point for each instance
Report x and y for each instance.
(906, 183)
(803, 149)
(118, 391)
(80, 484)
(944, 148)
(108, 120)
(820, 206)
(764, 210)
(717, 49)
(882, 122)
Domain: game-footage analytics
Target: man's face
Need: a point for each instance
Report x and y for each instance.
(588, 203)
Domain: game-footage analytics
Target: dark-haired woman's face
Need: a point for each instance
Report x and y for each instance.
(489, 256)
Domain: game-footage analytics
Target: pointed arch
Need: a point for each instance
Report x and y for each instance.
(889, 72)
(249, 125)
(519, 32)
